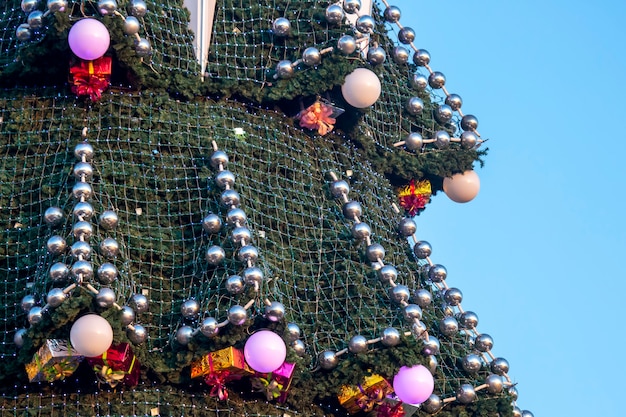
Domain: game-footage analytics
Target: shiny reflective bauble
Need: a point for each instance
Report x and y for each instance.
(184, 335)
(230, 198)
(143, 48)
(23, 32)
(82, 270)
(137, 335)
(432, 364)
(418, 328)
(346, 44)
(447, 309)
(292, 332)
(376, 55)
(107, 273)
(81, 250)
(275, 312)
(437, 273)
(28, 302)
(375, 252)
(53, 216)
(298, 347)
(56, 5)
(189, 309)
(281, 27)
(105, 297)
(225, 179)
(131, 25)
(328, 359)
(236, 217)
(469, 139)
(138, 8)
(431, 346)
(139, 303)
(82, 190)
(472, 363)
(422, 249)
(107, 7)
(109, 247)
(352, 210)
(414, 141)
(517, 412)
(83, 171)
(454, 101)
(35, 315)
(334, 14)
(59, 272)
(127, 315)
(234, 284)
(219, 159)
(352, 6)
(311, 56)
(212, 223)
(392, 14)
(390, 337)
(215, 255)
(423, 298)
(421, 57)
(108, 219)
(361, 230)
(365, 24)
(436, 80)
(82, 230)
(248, 253)
(526, 413)
(29, 5)
(407, 227)
(443, 114)
(209, 328)
(35, 19)
(406, 35)
(432, 404)
(495, 384)
(415, 106)
(448, 326)
(483, 342)
(418, 82)
(499, 366)
(252, 275)
(468, 319)
(83, 210)
(465, 394)
(387, 273)
(412, 312)
(357, 344)
(241, 235)
(339, 188)
(513, 392)
(400, 55)
(56, 245)
(453, 296)
(469, 122)
(237, 315)
(18, 337)
(400, 293)
(284, 69)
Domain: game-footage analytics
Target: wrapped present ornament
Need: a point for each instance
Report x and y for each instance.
(320, 116)
(220, 367)
(117, 365)
(91, 78)
(414, 197)
(365, 396)
(275, 385)
(53, 361)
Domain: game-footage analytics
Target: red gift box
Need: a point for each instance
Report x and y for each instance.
(275, 385)
(117, 365)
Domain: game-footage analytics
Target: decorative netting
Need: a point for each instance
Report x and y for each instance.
(153, 134)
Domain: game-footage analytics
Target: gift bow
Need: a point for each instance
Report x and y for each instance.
(59, 371)
(270, 387)
(106, 374)
(388, 410)
(414, 197)
(317, 116)
(369, 400)
(217, 381)
(93, 79)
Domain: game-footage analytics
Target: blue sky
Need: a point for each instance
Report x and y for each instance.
(538, 253)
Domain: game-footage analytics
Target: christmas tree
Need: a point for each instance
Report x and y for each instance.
(208, 209)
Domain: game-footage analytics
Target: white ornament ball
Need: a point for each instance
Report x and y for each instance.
(361, 88)
(91, 335)
(462, 188)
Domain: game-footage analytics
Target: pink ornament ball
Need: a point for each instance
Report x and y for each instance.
(91, 335)
(265, 351)
(413, 385)
(89, 39)
(462, 188)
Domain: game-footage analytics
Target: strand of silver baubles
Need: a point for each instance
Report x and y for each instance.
(82, 43)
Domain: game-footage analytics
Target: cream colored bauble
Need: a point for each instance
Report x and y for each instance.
(462, 188)
(361, 88)
(91, 335)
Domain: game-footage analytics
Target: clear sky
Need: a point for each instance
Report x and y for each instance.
(538, 254)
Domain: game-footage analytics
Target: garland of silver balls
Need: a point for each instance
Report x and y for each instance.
(248, 254)
(137, 9)
(81, 271)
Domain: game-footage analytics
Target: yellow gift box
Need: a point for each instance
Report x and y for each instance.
(364, 397)
(229, 360)
(54, 360)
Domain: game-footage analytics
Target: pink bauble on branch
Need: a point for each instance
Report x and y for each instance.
(89, 39)
(361, 88)
(265, 351)
(462, 188)
(413, 385)
(91, 335)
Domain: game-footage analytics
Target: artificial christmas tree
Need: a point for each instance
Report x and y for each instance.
(219, 203)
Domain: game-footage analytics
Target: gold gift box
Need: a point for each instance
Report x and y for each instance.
(224, 360)
(54, 360)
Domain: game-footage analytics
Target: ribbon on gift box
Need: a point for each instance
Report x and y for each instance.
(317, 117)
(218, 379)
(91, 78)
(371, 399)
(108, 375)
(270, 387)
(415, 196)
(389, 410)
(57, 371)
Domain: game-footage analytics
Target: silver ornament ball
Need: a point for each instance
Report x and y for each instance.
(469, 139)
(390, 337)
(29, 5)
(59, 272)
(406, 35)
(143, 48)
(361, 230)
(81, 250)
(436, 80)
(139, 303)
(346, 44)
(236, 217)
(252, 275)
(433, 404)
(230, 198)
(82, 230)
(526, 413)
(237, 315)
(109, 247)
(35, 19)
(137, 335)
(468, 319)
(418, 328)
(209, 327)
(339, 188)
(454, 101)
(414, 141)
(35, 315)
(407, 227)
(513, 392)
(421, 57)
(138, 8)
(107, 7)
(184, 335)
(483, 342)
(328, 359)
(453, 296)
(422, 249)
(234, 284)
(298, 347)
(28, 302)
(392, 14)
(281, 27)
(472, 363)
(189, 309)
(23, 32)
(517, 412)
(437, 273)
(82, 270)
(499, 366)
(376, 55)
(292, 332)
(131, 25)
(495, 384)
(400, 294)
(352, 210)
(415, 106)
(365, 24)
(443, 114)
(83, 210)
(423, 298)
(215, 255)
(56, 245)
(248, 253)
(448, 326)
(105, 298)
(56, 5)
(375, 252)
(212, 223)
(418, 82)
(275, 312)
(107, 273)
(387, 273)
(53, 216)
(225, 179)
(334, 14)
(357, 344)
(219, 159)
(400, 55)
(18, 337)
(469, 122)
(465, 394)
(431, 346)
(284, 69)
(83, 171)
(311, 56)
(412, 312)
(352, 6)
(82, 191)
(127, 315)
(83, 150)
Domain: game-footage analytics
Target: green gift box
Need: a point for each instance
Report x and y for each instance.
(53, 361)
